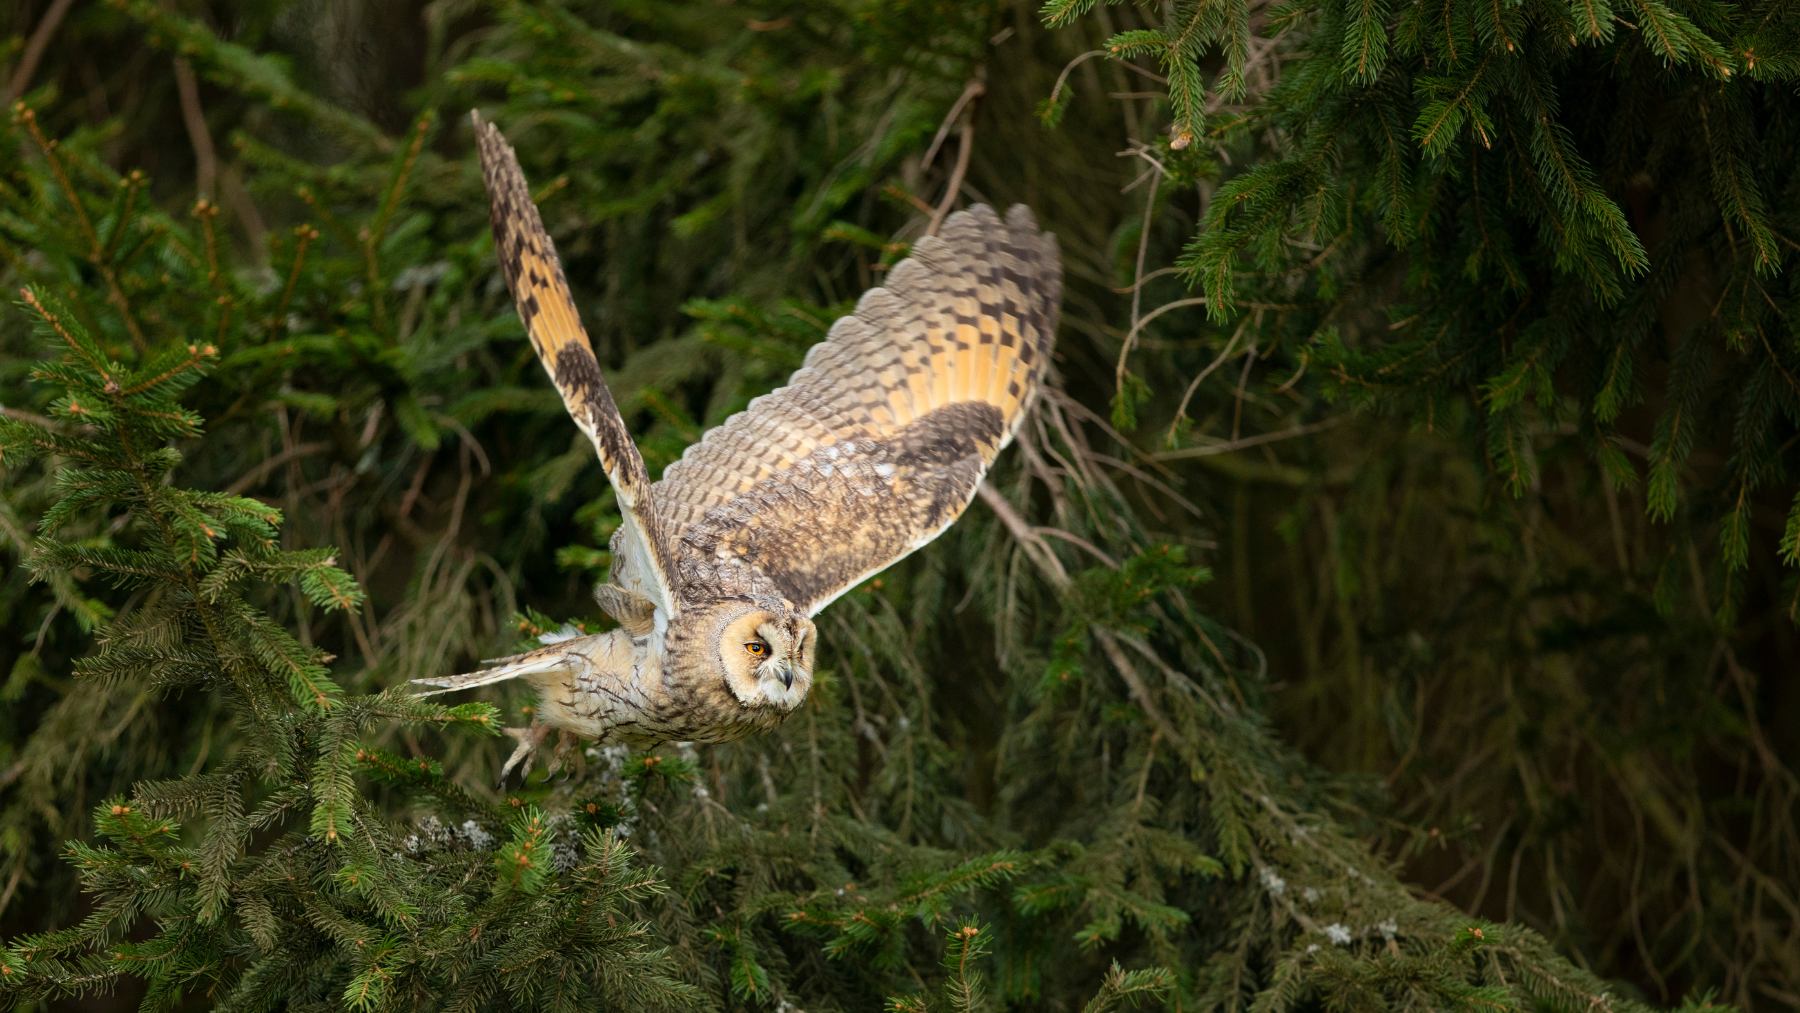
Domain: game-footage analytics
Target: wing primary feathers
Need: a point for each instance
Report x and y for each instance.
(879, 442)
(534, 275)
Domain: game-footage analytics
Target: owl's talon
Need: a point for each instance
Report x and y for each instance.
(563, 759)
(529, 740)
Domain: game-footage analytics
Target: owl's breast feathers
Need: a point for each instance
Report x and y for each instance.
(642, 691)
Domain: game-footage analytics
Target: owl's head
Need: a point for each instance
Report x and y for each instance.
(764, 649)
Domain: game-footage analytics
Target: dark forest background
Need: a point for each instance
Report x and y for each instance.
(1393, 605)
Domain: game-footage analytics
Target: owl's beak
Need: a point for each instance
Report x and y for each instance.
(787, 677)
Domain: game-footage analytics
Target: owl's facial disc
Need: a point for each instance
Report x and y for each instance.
(768, 658)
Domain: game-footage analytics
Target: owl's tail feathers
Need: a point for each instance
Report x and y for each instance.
(544, 661)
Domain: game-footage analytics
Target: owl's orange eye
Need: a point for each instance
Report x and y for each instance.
(756, 648)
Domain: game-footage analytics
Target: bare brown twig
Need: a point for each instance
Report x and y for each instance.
(34, 49)
(193, 117)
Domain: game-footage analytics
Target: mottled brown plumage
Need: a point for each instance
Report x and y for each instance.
(874, 447)
(535, 277)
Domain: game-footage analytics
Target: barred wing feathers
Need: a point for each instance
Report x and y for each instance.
(879, 441)
(535, 277)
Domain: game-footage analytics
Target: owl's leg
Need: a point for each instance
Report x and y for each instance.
(529, 740)
(565, 759)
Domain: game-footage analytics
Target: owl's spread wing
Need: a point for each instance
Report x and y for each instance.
(880, 440)
(535, 277)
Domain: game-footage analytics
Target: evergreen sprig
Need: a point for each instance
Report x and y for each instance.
(282, 835)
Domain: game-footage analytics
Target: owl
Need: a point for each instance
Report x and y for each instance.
(873, 448)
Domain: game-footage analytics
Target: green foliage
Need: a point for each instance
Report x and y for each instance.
(315, 881)
(1544, 238)
(172, 540)
(1527, 286)
(1036, 771)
